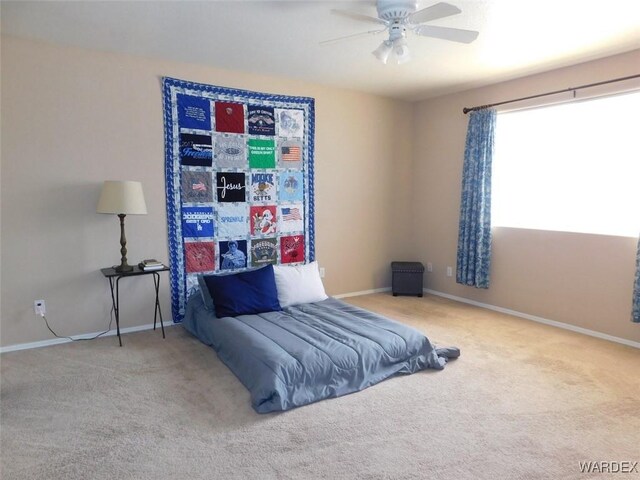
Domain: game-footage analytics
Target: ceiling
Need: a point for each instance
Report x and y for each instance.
(517, 38)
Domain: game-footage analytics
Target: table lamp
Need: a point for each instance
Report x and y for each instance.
(122, 198)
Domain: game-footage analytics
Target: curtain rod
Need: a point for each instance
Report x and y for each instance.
(466, 110)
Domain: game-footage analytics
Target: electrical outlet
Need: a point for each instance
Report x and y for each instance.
(449, 272)
(321, 272)
(429, 267)
(39, 307)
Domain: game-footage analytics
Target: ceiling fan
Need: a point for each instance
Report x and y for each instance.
(399, 16)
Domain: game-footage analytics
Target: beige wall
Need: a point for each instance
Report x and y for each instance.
(72, 118)
(582, 280)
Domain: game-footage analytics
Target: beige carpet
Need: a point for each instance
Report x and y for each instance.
(524, 401)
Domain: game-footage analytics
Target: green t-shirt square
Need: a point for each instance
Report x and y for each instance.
(262, 153)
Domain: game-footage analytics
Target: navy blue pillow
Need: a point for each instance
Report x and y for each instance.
(244, 293)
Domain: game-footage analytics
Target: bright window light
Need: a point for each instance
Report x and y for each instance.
(573, 167)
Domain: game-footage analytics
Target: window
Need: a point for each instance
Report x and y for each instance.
(573, 167)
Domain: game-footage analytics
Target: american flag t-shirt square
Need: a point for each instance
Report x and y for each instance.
(196, 187)
(291, 214)
(290, 154)
(291, 218)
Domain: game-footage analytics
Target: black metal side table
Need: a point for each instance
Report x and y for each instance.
(114, 280)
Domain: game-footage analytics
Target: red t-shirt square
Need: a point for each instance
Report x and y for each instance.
(229, 117)
(199, 257)
(292, 249)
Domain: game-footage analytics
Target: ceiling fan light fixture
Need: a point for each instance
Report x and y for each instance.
(401, 50)
(383, 51)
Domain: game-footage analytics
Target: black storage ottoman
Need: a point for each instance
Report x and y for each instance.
(406, 278)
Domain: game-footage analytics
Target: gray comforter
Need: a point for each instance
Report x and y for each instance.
(312, 351)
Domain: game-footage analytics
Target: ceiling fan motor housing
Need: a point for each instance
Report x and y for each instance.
(394, 10)
(397, 30)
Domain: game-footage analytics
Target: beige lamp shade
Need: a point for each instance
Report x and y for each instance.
(121, 196)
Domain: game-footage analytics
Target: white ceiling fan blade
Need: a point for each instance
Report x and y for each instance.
(358, 16)
(351, 37)
(434, 12)
(445, 33)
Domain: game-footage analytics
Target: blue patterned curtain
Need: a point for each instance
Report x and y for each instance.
(635, 315)
(474, 234)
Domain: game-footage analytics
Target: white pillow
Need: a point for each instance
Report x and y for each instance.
(299, 284)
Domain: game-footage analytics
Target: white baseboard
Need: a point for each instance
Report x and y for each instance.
(526, 316)
(363, 292)
(56, 341)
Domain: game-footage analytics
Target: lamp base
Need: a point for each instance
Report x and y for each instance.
(124, 268)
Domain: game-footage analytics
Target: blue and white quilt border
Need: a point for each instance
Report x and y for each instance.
(171, 87)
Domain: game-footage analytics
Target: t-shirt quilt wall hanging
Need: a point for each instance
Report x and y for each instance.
(239, 182)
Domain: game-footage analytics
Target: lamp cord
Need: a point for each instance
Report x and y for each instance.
(80, 339)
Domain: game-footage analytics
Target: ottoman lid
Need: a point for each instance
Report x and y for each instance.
(408, 267)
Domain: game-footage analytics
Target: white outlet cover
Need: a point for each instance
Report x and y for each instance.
(39, 307)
